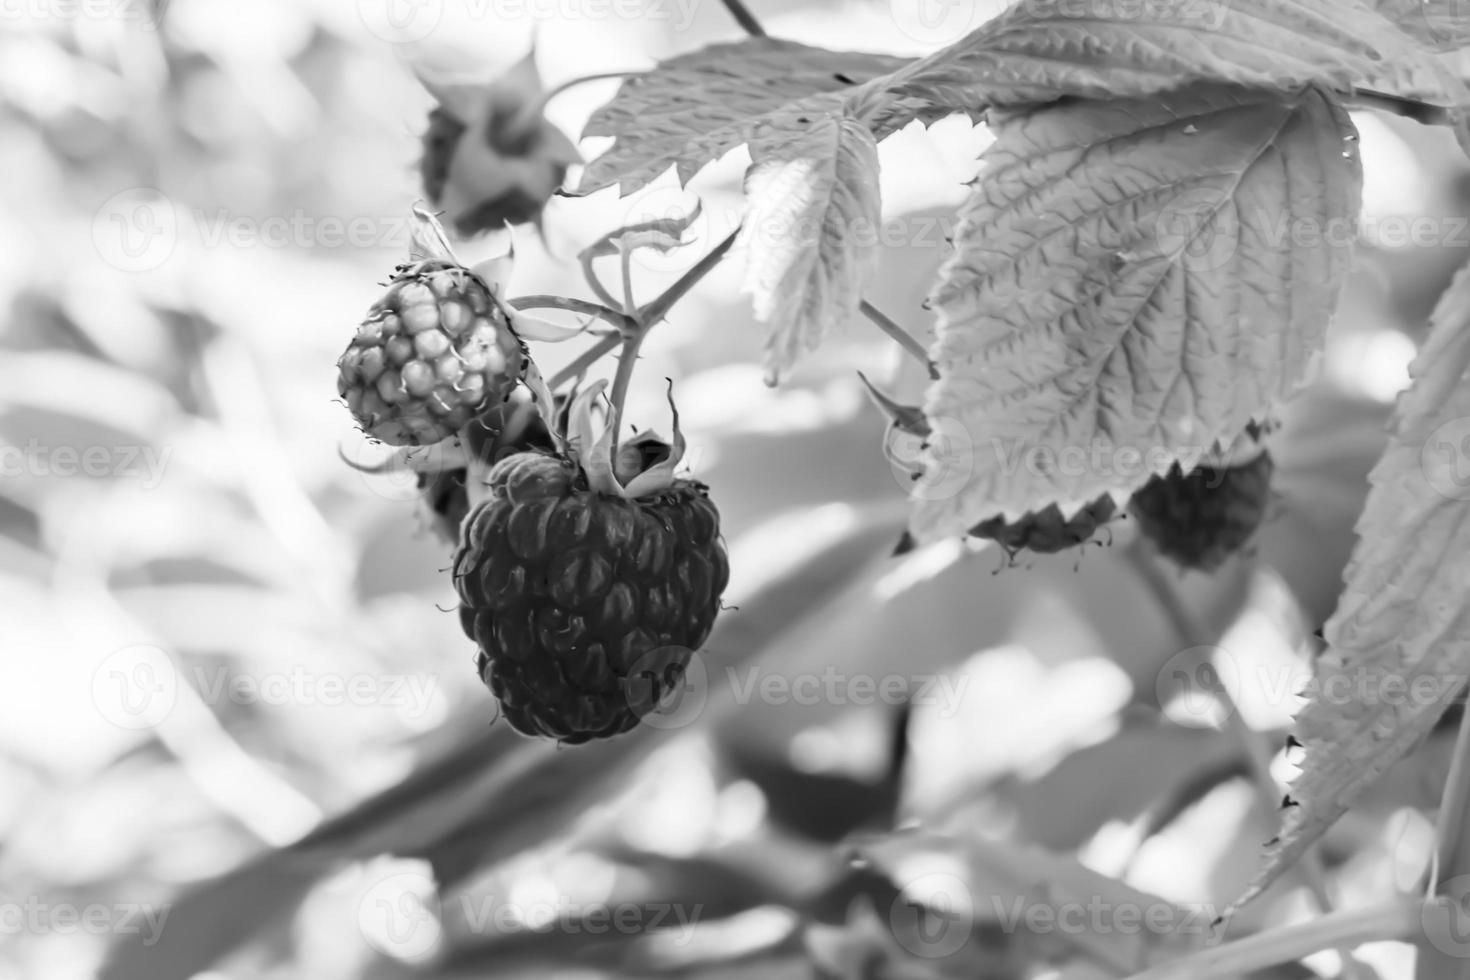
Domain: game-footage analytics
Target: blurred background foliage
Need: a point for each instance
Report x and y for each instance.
(226, 531)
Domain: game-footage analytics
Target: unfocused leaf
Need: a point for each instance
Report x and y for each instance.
(1397, 653)
(1133, 282)
(809, 237)
(1001, 883)
(693, 109)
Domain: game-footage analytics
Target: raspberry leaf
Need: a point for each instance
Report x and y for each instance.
(1133, 282)
(1401, 621)
(808, 237)
(693, 109)
(1039, 51)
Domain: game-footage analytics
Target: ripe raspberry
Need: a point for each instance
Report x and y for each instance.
(1202, 518)
(1047, 532)
(587, 605)
(431, 354)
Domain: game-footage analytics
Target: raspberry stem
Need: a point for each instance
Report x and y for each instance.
(1424, 113)
(650, 315)
(546, 301)
(904, 339)
(595, 283)
(745, 18)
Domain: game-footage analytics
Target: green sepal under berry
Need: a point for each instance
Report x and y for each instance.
(1201, 518)
(429, 356)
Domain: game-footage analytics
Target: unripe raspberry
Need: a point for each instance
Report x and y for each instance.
(429, 357)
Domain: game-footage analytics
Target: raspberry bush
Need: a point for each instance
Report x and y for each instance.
(1079, 310)
(1139, 272)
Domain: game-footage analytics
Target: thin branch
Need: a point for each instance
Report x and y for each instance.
(545, 301)
(1454, 808)
(659, 306)
(1421, 112)
(602, 76)
(1453, 854)
(589, 272)
(627, 361)
(905, 339)
(745, 18)
(1400, 919)
(585, 360)
(651, 314)
(1258, 751)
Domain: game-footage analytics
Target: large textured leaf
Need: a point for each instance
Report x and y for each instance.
(809, 238)
(693, 109)
(1398, 649)
(1132, 282)
(1040, 51)
(1441, 25)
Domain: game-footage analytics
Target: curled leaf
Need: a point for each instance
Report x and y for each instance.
(660, 234)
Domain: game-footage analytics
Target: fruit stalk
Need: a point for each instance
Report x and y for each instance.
(651, 314)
